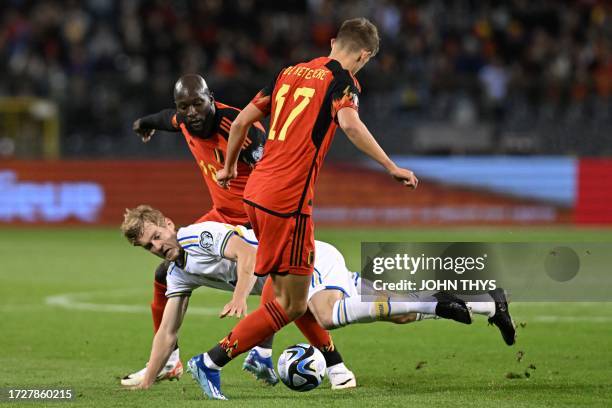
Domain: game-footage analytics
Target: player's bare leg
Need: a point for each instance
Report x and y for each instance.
(291, 293)
(322, 304)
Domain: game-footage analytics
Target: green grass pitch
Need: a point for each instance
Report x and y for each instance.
(74, 313)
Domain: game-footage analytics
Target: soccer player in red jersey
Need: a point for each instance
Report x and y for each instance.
(205, 124)
(306, 103)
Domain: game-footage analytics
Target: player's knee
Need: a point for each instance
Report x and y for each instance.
(326, 322)
(294, 306)
(295, 309)
(322, 316)
(161, 272)
(324, 319)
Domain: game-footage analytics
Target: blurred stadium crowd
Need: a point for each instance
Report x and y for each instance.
(478, 76)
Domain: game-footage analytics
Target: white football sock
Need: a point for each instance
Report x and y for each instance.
(337, 367)
(352, 309)
(174, 357)
(482, 308)
(264, 352)
(209, 363)
(482, 304)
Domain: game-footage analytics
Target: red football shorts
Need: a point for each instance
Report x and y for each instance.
(286, 245)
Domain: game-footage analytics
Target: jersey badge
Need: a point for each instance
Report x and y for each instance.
(258, 153)
(351, 95)
(206, 240)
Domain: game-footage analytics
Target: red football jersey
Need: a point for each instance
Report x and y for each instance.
(302, 103)
(209, 153)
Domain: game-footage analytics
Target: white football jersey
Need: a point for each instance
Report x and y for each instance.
(204, 264)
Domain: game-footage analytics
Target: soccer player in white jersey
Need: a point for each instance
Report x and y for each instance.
(222, 256)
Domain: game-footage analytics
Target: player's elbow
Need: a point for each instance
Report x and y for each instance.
(239, 125)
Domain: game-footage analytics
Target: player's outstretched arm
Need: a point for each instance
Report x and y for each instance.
(244, 254)
(165, 338)
(146, 126)
(360, 136)
(238, 132)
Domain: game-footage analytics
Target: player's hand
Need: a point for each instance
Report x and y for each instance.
(145, 134)
(405, 176)
(140, 386)
(236, 308)
(224, 176)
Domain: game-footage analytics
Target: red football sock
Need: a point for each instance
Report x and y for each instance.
(308, 325)
(158, 305)
(316, 335)
(267, 293)
(250, 331)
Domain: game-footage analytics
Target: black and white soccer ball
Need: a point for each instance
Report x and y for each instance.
(301, 367)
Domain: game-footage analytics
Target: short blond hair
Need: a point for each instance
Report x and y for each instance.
(359, 34)
(134, 220)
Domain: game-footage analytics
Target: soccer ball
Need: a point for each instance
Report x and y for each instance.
(301, 367)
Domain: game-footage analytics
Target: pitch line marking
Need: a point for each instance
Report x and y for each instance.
(82, 301)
